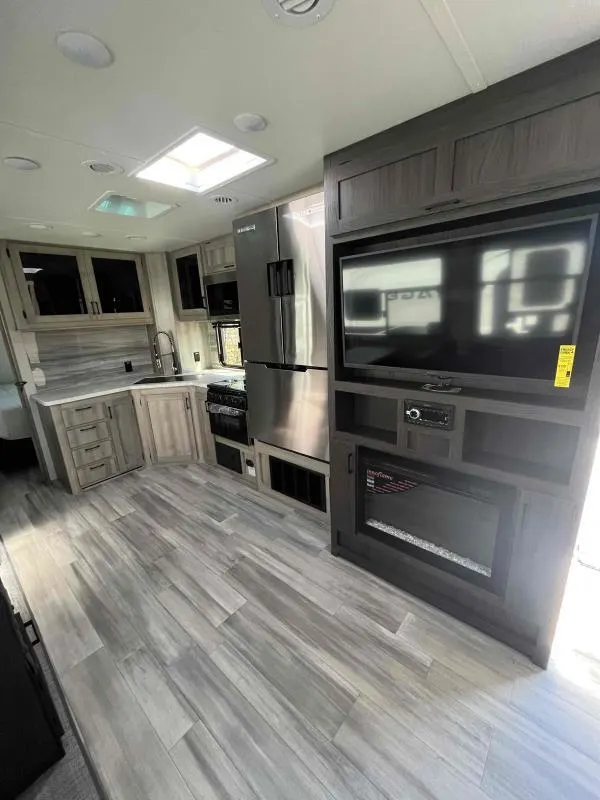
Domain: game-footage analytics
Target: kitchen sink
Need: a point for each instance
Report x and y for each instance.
(165, 379)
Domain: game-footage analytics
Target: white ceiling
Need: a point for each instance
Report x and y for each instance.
(368, 65)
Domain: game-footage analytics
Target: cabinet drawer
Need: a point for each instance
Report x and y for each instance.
(86, 434)
(96, 472)
(79, 413)
(93, 452)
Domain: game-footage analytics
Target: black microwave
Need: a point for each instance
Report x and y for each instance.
(222, 294)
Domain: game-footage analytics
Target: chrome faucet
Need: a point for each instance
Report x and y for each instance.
(158, 356)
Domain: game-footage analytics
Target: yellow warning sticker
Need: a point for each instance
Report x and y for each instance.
(564, 366)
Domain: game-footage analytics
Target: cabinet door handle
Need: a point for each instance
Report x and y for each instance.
(350, 463)
(89, 449)
(110, 416)
(85, 408)
(187, 402)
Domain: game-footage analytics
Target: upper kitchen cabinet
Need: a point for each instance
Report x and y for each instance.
(529, 138)
(219, 254)
(118, 286)
(53, 287)
(50, 288)
(186, 280)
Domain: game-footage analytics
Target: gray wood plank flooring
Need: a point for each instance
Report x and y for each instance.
(211, 647)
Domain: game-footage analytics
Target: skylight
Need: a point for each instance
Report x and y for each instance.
(111, 203)
(200, 163)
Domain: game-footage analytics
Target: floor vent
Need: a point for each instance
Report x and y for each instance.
(301, 484)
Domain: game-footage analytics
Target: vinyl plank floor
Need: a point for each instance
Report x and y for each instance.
(166, 708)
(272, 769)
(211, 648)
(127, 752)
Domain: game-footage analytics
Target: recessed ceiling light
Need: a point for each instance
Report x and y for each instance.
(39, 226)
(298, 13)
(102, 167)
(83, 49)
(110, 203)
(91, 234)
(201, 162)
(250, 123)
(133, 238)
(20, 163)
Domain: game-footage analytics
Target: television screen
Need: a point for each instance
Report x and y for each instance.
(498, 304)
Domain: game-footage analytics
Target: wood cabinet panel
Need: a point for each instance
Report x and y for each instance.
(80, 413)
(83, 456)
(534, 147)
(87, 476)
(404, 184)
(170, 427)
(124, 432)
(219, 254)
(87, 434)
(342, 489)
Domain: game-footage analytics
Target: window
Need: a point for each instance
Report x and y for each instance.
(229, 343)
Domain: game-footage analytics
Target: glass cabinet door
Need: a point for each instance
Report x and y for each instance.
(117, 285)
(51, 285)
(187, 285)
(190, 285)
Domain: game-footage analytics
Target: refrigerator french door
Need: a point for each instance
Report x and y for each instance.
(280, 257)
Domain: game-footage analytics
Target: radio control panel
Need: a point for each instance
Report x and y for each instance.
(431, 415)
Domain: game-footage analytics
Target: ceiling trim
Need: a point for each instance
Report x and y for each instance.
(445, 24)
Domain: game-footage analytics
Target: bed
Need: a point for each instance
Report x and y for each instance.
(13, 418)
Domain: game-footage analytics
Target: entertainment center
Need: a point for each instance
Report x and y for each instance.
(464, 293)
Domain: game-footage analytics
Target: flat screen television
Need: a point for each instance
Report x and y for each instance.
(484, 309)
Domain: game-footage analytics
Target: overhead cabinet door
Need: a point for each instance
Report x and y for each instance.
(51, 284)
(118, 286)
(553, 147)
(186, 280)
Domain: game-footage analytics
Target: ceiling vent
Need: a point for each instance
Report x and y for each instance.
(298, 13)
(103, 167)
(223, 199)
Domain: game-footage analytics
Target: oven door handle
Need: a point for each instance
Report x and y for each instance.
(225, 411)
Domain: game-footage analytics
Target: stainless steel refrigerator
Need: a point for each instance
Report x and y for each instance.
(280, 258)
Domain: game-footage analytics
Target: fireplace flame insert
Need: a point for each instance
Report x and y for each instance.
(458, 523)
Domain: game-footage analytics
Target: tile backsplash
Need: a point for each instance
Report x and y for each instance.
(74, 356)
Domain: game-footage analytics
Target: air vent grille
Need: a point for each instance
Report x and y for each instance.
(223, 199)
(103, 167)
(298, 12)
(298, 6)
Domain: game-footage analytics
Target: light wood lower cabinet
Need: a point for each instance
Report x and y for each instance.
(168, 426)
(205, 435)
(124, 431)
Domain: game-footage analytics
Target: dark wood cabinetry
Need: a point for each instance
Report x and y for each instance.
(530, 140)
(531, 137)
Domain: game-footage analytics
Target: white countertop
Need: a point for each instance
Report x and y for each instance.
(125, 382)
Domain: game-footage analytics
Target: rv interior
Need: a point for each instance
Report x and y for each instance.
(299, 400)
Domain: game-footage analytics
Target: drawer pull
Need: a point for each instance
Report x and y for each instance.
(89, 449)
(91, 428)
(85, 408)
(98, 466)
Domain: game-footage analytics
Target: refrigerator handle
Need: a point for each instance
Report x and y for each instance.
(287, 275)
(289, 270)
(273, 279)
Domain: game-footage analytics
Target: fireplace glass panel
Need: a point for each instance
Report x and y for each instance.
(445, 518)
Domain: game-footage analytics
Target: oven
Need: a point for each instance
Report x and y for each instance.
(227, 410)
(222, 295)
